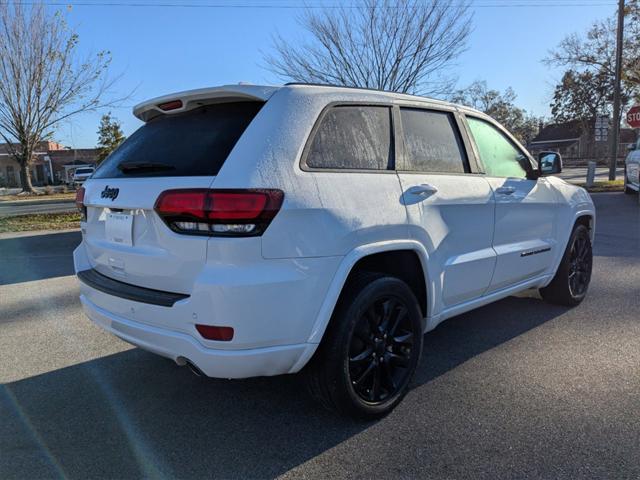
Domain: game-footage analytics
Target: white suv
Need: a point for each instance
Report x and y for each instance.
(248, 230)
(82, 174)
(632, 169)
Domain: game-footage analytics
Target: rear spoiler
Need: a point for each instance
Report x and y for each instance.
(190, 99)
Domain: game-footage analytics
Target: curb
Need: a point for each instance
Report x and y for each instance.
(17, 203)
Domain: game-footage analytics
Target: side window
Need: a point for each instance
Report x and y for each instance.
(432, 142)
(499, 156)
(353, 137)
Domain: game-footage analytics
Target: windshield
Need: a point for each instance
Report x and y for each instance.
(195, 143)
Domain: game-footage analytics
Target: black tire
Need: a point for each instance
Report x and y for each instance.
(628, 190)
(355, 346)
(571, 282)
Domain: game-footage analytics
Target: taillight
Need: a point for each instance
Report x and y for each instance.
(80, 204)
(223, 212)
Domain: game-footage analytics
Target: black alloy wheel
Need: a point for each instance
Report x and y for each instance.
(570, 284)
(580, 264)
(371, 348)
(380, 352)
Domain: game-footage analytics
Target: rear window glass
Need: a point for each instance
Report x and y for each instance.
(84, 170)
(195, 143)
(353, 138)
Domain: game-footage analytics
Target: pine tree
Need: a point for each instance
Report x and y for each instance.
(110, 135)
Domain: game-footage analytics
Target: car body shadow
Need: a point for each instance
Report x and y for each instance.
(133, 414)
(37, 257)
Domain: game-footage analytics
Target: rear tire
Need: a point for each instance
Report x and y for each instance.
(571, 282)
(628, 190)
(377, 320)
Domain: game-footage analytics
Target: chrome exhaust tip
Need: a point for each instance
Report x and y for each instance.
(185, 362)
(195, 370)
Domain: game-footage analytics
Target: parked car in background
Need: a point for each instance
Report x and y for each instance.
(632, 169)
(82, 174)
(247, 231)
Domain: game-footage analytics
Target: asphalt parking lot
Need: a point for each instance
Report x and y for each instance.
(516, 389)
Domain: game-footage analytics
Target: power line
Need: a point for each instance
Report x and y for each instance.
(270, 6)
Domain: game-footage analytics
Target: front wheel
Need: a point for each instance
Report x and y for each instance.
(570, 284)
(371, 348)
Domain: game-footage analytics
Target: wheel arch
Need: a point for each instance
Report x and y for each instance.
(586, 218)
(363, 257)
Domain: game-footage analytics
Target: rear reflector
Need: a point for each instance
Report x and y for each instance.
(239, 213)
(173, 105)
(212, 332)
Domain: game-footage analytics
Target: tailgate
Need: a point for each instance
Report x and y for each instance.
(126, 240)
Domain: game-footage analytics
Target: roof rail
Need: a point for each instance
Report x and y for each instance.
(311, 84)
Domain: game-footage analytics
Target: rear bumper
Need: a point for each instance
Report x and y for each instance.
(181, 347)
(272, 306)
(96, 280)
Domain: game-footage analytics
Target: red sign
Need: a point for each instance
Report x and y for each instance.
(633, 117)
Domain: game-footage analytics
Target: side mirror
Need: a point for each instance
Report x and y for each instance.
(549, 163)
(631, 147)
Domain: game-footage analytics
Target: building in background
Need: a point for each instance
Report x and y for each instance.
(577, 144)
(65, 162)
(54, 164)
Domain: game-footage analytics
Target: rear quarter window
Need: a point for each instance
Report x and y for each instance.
(194, 143)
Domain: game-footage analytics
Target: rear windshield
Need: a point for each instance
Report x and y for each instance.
(195, 143)
(84, 170)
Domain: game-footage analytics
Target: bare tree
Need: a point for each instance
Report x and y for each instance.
(500, 106)
(42, 79)
(404, 46)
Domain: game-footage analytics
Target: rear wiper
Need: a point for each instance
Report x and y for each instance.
(147, 166)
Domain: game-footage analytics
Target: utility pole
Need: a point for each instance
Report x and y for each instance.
(615, 133)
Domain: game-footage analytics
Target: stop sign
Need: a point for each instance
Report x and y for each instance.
(633, 117)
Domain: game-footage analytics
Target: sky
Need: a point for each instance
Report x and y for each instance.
(158, 50)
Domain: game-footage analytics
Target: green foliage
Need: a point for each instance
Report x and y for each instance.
(589, 58)
(110, 136)
(581, 96)
(501, 107)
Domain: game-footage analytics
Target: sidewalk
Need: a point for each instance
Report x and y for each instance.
(578, 175)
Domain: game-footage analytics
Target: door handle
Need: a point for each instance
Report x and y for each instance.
(505, 190)
(423, 189)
